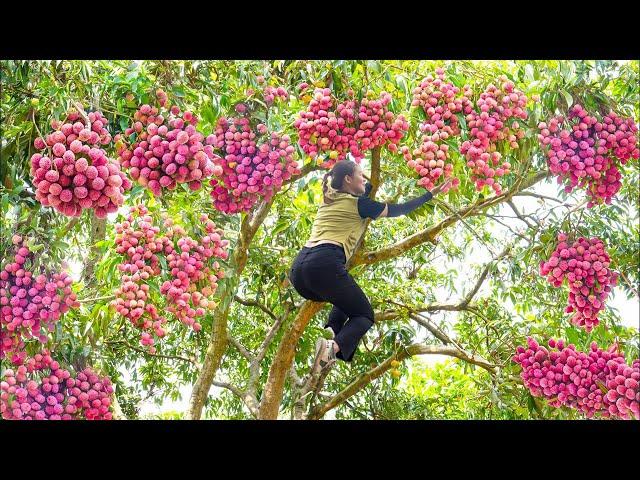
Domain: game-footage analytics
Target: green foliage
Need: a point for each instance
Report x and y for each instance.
(512, 303)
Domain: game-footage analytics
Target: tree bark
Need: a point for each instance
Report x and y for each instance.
(272, 394)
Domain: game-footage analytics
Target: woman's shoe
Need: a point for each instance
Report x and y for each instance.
(325, 355)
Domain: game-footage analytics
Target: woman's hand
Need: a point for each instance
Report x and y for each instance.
(441, 187)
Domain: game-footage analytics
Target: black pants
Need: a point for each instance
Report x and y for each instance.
(319, 274)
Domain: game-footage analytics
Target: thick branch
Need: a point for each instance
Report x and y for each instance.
(430, 234)
(243, 351)
(416, 349)
(537, 195)
(272, 394)
(236, 391)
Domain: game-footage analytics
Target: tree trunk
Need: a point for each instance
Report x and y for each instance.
(272, 395)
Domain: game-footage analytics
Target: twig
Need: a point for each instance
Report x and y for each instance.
(117, 113)
(255, 303)
(475, 234)
(262, 350)
(35, 124)
(82, 113)
(537, 195)
(509, 228)
(515, 210)
(68, 228)
(629, 284)
(171, 357)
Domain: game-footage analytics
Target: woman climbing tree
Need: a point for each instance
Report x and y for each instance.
(319, 271)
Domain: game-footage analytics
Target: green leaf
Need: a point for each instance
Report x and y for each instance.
(568, 98)
(163, 263)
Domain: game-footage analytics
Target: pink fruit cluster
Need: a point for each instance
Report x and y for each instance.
(498, 107)
(194, 276)
(250, 166)
(620, 136)
(623, 394)
(188, 282)
(378, 126)
(585, 265)
(596, 383)
(322, 130)
(585, 152)
(138, 241)
(43, 390)
(330, 134)
(271, 93)
(163, 155)
(75, 173)
(440, 101)
(30, 304)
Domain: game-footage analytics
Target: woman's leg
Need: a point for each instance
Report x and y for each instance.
(340, 289)
(336, 320)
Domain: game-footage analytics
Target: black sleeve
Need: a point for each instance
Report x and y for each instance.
(395, 210)
(368, 208)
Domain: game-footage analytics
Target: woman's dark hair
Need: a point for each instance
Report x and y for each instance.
(340, 170)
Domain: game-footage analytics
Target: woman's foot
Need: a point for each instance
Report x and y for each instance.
(325, 355)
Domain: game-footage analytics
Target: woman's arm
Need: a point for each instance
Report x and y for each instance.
(396, 210)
